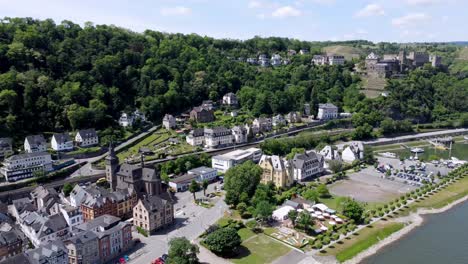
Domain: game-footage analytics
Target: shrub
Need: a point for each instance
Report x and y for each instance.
(223, 241)
(142, 231)
(251, 224)
(326, 240)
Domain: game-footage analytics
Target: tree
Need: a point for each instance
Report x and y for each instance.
(193, 188)
(241, 207)
(322, 191)
(335, 165)
(311, 195)
(67, 188)
(318, 244)
(264, 192)
(205, 186)
(353, 210)
(181, 251)
(223, 241)
(263, 211)
(304, 220)
(368, 155)
(293, 216)
(239, 179)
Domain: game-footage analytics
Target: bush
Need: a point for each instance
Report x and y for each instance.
(251, 224)
(326, 240)
(142, 231)
(335, 236)
(223, 241)
(318, 244)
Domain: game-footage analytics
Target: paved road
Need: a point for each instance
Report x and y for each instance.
(191, 221)
(389, 140)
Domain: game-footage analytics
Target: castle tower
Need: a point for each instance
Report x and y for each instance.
(112, 164)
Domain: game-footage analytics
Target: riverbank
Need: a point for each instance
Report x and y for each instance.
(414, 219)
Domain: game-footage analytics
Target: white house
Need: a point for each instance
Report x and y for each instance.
(204, 173)
(196, 137)
(261, 124)
(24, 166)
(224, 162)
(230, 99)
(307, 165)
(278, 120)
(86, 137)
(327, 111)
(61, 142)
(218, 136)
(42, 229)
(281, 213)
(355, 151)
(126, 120)
(35, 143)
(72, 215)
(293, 117)
(240, 134)
(276, 60)
(182, 183)
(169, 122)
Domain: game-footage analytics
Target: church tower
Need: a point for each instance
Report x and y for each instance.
(112, 164)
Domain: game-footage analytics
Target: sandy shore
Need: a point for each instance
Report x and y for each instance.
(416, 220)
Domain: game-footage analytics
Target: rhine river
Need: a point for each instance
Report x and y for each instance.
(442, 238)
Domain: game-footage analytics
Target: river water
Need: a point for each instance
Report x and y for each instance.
(443, 238)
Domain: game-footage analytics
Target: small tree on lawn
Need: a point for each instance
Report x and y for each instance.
(326, 240)
(193, 188)
(181, 251)
(205, 186)
(353, 210)
(318, 244)
(241, 207)
(263, 211)
(335, 236)
(293, 216)
(323, 192)
(304, 220)
(223, 241)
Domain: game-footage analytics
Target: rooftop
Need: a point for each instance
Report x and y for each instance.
(238, 154)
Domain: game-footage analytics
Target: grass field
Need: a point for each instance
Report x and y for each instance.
(245, 233)
(362, 240)
(347, 51)
(260, 249)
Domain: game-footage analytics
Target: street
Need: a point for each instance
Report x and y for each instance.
(191, 220)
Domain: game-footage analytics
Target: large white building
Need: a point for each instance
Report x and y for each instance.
(224, 162)
(196, 137)
(35, 143)
(355, 151)
(24, 166)
(240, 134)
(230, 99)
(41, 229)
(307, 165)
(331, 59)
(262, 124)
(86, 137)
(61, 142)
(169, 122)
(218, 136)
(327, 111)
(204, 173)
(126, 120)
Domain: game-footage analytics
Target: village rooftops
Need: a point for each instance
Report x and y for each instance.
(327, 105)
(87, 133)
(62, 138)
(26, 155)
(35, 140)
(185, 178)
(154, 203)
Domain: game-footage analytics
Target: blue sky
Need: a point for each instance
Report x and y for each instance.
(378, 20)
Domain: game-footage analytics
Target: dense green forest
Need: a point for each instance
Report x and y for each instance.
(56, 77)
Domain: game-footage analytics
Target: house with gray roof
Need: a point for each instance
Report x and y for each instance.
(217, 136)
(6, 147)
(83, 247)
(86, 137)
(35, 143)
(41, 228)
(196, 137)
(22, 166)
(61, 142)
(10, 244)
(306, 166)
(49, 253)
(152, 213)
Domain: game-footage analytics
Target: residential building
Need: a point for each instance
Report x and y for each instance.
(435, 60)
(262, 124)
(83, 248)
(61, 142)
(11, 244)
(330, 59)
(230, 99)
(169, 122)
(100, 201)
(138, 115)
(86, 137)
(276, 60)
(6, 147)
(354, 151)
(126, 120)
(22, 166)
(224, 162)
(303, 51)
(307, 110)
(20, 206)
(327, 111)
(45, 198)
(252, 61)
(114, 236)
(418, 58)
(278, 120)
(152, 213)
(35, 143)
(196, 137)
(72, 215)
(50, 253)
(328, 153)
(291, 52)
(204, 173)
(208, 104)
(319, 60)
(218, 136)
(240, 134)
(202, 115)
(275, 170)
(307, 165)
(293, 117)
(132, 177)
(41, 228)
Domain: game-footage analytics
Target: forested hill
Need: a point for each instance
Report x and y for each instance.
(56, 77)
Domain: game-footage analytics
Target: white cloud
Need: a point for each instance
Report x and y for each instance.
(361, 31)
(255, 4)
(176, 11)
(410, 19)
(370, 10)
(324, 2)
(286, 11)
(421, 2)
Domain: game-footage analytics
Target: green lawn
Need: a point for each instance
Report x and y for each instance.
(245, 233)
(366, 238)
(260, 249)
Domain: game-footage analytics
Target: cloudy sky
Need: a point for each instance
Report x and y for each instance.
(377, 20)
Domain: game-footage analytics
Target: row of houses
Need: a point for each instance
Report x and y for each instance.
(128, 119)
(61, 141)
(328, 59)
(348, 153)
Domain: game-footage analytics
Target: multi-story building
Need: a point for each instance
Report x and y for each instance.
(276, 60)
(261, 124)
(293, 117)
(196, 137)
(436, 61)
(278, 120)
(354, 151)
(202, 114)
(35, 143)
(275, 170)
(72, 215)
(54, 252)
(152, 213)
(22, 166)
(230, 99)
(83, 248)
(218, 136)
(11, 244)
(240, 134)
(169, 122)
(44, 198)
(41, 228)
(303, 51)
(101, 201)
(418, 58)
(204, 173)
(224, 162)
(114, 236)
(328, 153)
(327, 111)
(330, 59)
(86, 137)
(6, 147)
(61, 142)
(307, 165)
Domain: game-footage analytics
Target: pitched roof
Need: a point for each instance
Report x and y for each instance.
(300, 159)
(197, 132)
(327, 105)
(61, 138)
(87, 133)
(82, 238)
(9, 237)
(35, 140)
(154, 203)
(5, 142)
(42, 254)
(27, 155)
